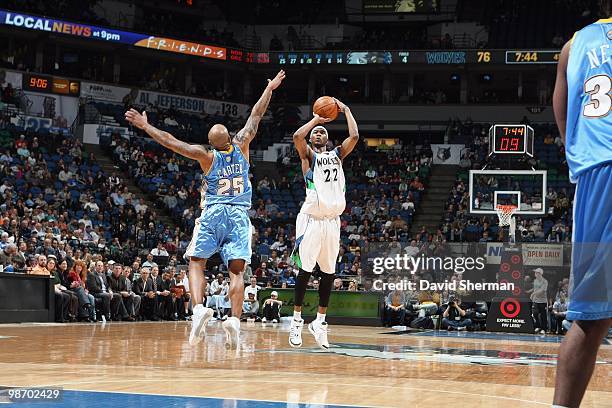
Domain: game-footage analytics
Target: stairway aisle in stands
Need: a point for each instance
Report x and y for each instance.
(429, 213)
(107, 164)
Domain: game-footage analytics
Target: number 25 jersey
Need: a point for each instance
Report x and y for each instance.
(589, 82)
(325, 186)
(227, 180)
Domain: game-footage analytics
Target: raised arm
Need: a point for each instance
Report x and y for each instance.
(350, 142)
(299, 137)
(195, 152)
(560, 93)
(248, 132)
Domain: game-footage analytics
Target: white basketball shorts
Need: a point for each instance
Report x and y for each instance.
(317, 242)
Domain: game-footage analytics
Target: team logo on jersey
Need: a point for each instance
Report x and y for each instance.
(228, 159)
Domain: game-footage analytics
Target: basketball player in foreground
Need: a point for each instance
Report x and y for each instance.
(582, 105)
(224, 225)
(318, 223)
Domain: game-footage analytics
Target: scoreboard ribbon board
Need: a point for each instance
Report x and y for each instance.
(232, 55)
(408, 57)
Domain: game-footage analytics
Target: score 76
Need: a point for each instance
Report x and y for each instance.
(484, 56)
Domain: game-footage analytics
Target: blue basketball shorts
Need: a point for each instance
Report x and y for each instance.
(222, 228)
(590, 289)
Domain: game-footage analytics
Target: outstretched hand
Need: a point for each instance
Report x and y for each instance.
(341, 105)
(320, 119)
(137, 119)
(278, 79)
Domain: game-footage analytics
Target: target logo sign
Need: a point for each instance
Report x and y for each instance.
(510, 308)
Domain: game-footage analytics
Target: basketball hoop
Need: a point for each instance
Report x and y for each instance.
(505, 213)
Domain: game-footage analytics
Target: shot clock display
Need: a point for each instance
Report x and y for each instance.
(511, 139)
(48, 84)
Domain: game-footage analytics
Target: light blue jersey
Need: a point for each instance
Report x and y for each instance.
(227, 180)
(589, 80)
(589, 155)
(224, 225)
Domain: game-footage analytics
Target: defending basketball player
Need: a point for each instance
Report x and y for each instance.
(318, 223)
(582, 105)
(224, 225)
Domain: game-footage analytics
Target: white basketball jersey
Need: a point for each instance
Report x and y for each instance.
(325, 186)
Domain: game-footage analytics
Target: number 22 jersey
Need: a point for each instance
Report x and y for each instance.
(325, 186)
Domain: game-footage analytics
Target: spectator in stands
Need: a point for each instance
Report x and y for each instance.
(412, 250)
(77, 278)
(219, 290)
(97, 283)
(10, 259)
(264, 185)
(395, 309)
(559, 311)
(337, 284)
(170, 121)
(167, 302)
(149, 263)
(182, 281)
(159, 251)
(62, 301)
(41, 266)
(271, 309)
(454, 317)
(251, 303)
(352, 287)
(539, 297)
(136, 299)
(416, 184)
(4, 240)
(73, 301)
(263, 272)
(280, 245)
(144, 287)
(141, 207)
(79, 298)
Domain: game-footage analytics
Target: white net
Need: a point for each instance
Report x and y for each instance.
(505, 213)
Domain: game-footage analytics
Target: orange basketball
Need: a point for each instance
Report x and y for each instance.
(326, 107)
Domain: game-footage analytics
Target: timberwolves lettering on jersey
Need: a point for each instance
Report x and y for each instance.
(227, 181)
(325, 186)
(589, 79)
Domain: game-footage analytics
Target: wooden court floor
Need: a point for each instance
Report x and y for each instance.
(367, 367)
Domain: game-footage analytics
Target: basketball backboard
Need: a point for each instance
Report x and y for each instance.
(525, 189)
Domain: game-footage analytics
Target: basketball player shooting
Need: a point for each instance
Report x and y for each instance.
(318, 223)
(582, 105)
(224, 225)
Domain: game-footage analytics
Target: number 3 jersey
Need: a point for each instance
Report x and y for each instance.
(227, 180)
(589, 81)
(325, 186)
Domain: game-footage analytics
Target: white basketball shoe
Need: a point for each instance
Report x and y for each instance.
(295, 333)
(199, 320)
(319, 330)
(232, 332)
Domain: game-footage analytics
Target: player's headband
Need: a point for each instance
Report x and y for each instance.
(317, 128)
